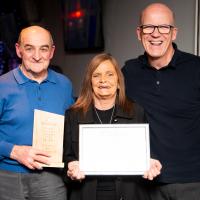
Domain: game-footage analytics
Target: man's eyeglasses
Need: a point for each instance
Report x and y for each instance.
(162, 29)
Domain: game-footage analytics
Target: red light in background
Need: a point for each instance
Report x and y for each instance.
(77, 14)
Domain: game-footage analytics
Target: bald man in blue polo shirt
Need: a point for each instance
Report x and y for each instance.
(30, 86)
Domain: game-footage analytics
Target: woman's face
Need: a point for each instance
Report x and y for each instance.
(105, 81)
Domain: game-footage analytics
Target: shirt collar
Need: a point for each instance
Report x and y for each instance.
(21, 78)
(51, 76)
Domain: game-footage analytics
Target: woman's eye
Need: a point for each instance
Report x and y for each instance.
(95, 75)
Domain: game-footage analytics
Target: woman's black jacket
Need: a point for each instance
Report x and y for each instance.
(127, 187)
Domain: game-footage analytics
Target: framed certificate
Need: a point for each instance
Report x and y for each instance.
(114, 149)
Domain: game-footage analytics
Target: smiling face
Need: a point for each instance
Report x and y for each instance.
(35, 48)
(157, 45)
(104, 82)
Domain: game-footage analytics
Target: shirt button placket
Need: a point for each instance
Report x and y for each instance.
(158, 80)
(39, 96)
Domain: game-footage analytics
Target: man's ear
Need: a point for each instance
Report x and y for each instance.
(174, 33)
(52, 51)
(138, 32)
(18, 51)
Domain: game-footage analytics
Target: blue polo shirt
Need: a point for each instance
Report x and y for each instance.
(171, 98)
(19, 96)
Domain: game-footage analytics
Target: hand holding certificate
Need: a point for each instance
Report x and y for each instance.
(48, 136)
(114, 149)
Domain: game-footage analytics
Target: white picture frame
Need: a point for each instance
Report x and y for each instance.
(114, 149)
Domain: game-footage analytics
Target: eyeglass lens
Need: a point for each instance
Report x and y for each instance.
(163, 29)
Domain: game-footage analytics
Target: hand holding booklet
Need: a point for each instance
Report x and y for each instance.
(48, 136)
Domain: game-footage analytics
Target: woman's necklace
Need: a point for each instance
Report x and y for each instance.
(100, 118)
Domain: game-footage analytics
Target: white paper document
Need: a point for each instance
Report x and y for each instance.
(48, 136)
(114, 149)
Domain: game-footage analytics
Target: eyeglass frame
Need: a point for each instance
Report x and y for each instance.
(154, 27)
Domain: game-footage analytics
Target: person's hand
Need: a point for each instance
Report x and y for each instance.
(30, 157)
(74, 171)
(155, 168)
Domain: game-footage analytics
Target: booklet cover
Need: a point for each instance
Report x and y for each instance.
(48, 134)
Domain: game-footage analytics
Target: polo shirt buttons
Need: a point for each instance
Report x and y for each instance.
(39, 93)
(157, 82)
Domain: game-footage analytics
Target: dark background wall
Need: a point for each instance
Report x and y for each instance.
(120, 19)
